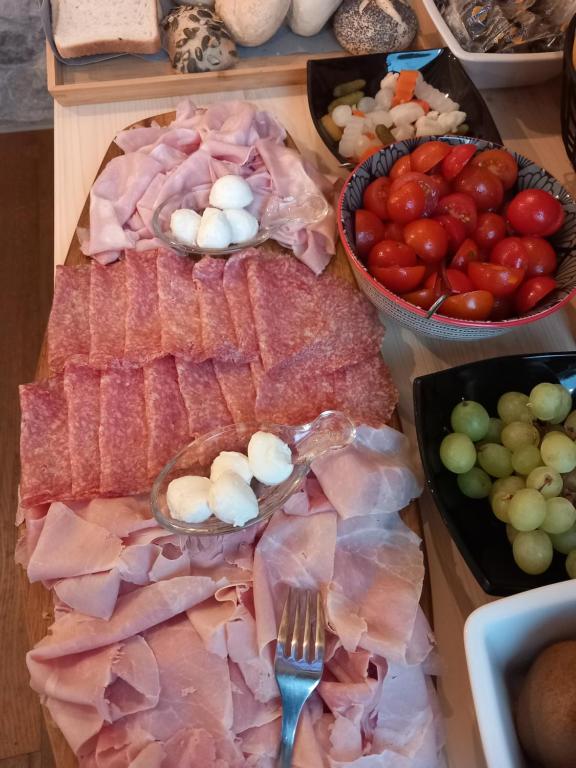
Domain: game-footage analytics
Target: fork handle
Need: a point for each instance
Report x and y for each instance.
(290, 717)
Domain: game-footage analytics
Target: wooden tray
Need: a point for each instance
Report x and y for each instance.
(40, 613)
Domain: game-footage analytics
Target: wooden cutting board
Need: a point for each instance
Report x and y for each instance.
(40, 612)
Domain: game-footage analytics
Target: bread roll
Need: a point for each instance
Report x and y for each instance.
(252, 22)
(307, 18)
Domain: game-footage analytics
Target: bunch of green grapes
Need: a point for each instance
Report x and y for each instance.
(523, 461)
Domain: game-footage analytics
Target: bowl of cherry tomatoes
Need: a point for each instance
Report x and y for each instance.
(459, 238)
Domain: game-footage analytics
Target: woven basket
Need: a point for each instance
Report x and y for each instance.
(568, 118)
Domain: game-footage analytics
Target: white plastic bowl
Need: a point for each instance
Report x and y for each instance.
(498, 70)
(501, 640)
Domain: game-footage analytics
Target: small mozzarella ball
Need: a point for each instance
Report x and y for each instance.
(230, 192)
(187, 498)
(214, 230)
(184, 224)
(232, 500)
(366, 104)
(243, 225)
(270, 458)
(231, 461)
(341, 114)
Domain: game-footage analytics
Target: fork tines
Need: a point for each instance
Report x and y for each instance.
(301, 632)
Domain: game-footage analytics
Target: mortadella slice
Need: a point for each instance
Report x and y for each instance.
(143, 335)
(218, 334)
(205, 404)
(107, 313)
(181, 330)
(238, 389)
(82, 389)
(366, 392)
(68, 326)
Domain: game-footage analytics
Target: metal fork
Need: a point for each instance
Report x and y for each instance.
(298, 662)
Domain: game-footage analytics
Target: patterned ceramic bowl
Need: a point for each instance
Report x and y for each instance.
(530, 175)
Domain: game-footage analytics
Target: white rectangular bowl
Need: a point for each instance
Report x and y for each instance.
(501, 640)
(498, 70)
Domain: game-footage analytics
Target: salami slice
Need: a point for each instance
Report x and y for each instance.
(123, 433)
(202, 397)
(235, 283)
(107, 313)
(82, 389)
(238, 389)
(44, 452)
(366, 392)
(166, 415)
(68, 326)
(143, 335)
(181, 330)
(218, 334)
(294, 395)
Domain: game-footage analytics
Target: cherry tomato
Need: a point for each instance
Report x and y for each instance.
(429, 187)
(428, 238)
(483, 187)
(461, 207)
(535, 212)
(376, 195)
(457, 160)
(503, 308)
(423, 298)
(369, 231)
(499, 280)
(401, 166)
(406, 202)
(490, 230)
(455, 230)
(428, 155)
(452, 279)
(532, 292)
(443, 187)
(393, 231)
(389, 253)
(466, 254)
(399, 279)
(510, 252)
(500, 163)
(474, 305)
(541, 256)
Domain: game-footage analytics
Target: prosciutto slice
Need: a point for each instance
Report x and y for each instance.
(68, 328)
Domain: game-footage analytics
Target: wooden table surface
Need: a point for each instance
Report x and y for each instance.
(528, 120)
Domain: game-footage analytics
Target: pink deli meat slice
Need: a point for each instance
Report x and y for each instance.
(366, 392)
(202, 397)
(218, 334)
(68, 326)
(123, 432)
(44, 450)
(107, 314)
(143, 335)
(238, 389)
(166, 415)
(82, 388)
(235, 283)
(181, 329)
(294, 395)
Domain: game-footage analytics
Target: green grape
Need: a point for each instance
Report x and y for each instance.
(511, 532)
(470, 418)
(545, 401)
(570, 425)
(519, 433)
(475, 483)
(527, 509)
(558, 452)
(525, 459)
(560, 515)
(457, 453)
(494, 431)
(546, 480)
(571, 564)
(500, 502)
(508, 485)
(495, 459)
(513, 406)
(565, 405)
(533, 552)
(564, 542)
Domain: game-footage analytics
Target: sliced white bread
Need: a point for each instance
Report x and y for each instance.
(88, 27)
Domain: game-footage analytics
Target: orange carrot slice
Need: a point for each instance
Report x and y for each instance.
(358, 113)
(405, 87)
(370, 135)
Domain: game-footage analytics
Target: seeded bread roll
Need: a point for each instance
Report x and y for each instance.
(86, 28)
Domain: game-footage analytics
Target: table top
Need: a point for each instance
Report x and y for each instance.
(528, 120)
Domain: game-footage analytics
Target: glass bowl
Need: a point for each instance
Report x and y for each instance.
(330, 431)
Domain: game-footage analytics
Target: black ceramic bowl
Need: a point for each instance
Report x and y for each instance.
(478, 534)
(439, 67)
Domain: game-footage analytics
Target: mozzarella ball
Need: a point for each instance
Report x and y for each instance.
(244, 226)
(231, 461)
(232, 500)
(184, 224)
(270, 458)
(230, 192)
(187, 498)
(214, 230)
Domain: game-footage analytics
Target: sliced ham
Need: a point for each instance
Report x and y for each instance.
(82, 390)
(181, 330)
(93, 594)
(202, 397)
(218, 333)
(143, 334)
(68, 326)
(107, 314)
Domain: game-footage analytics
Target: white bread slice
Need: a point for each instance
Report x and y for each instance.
(88, 27)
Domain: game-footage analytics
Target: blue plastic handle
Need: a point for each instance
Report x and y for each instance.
(396, 62)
